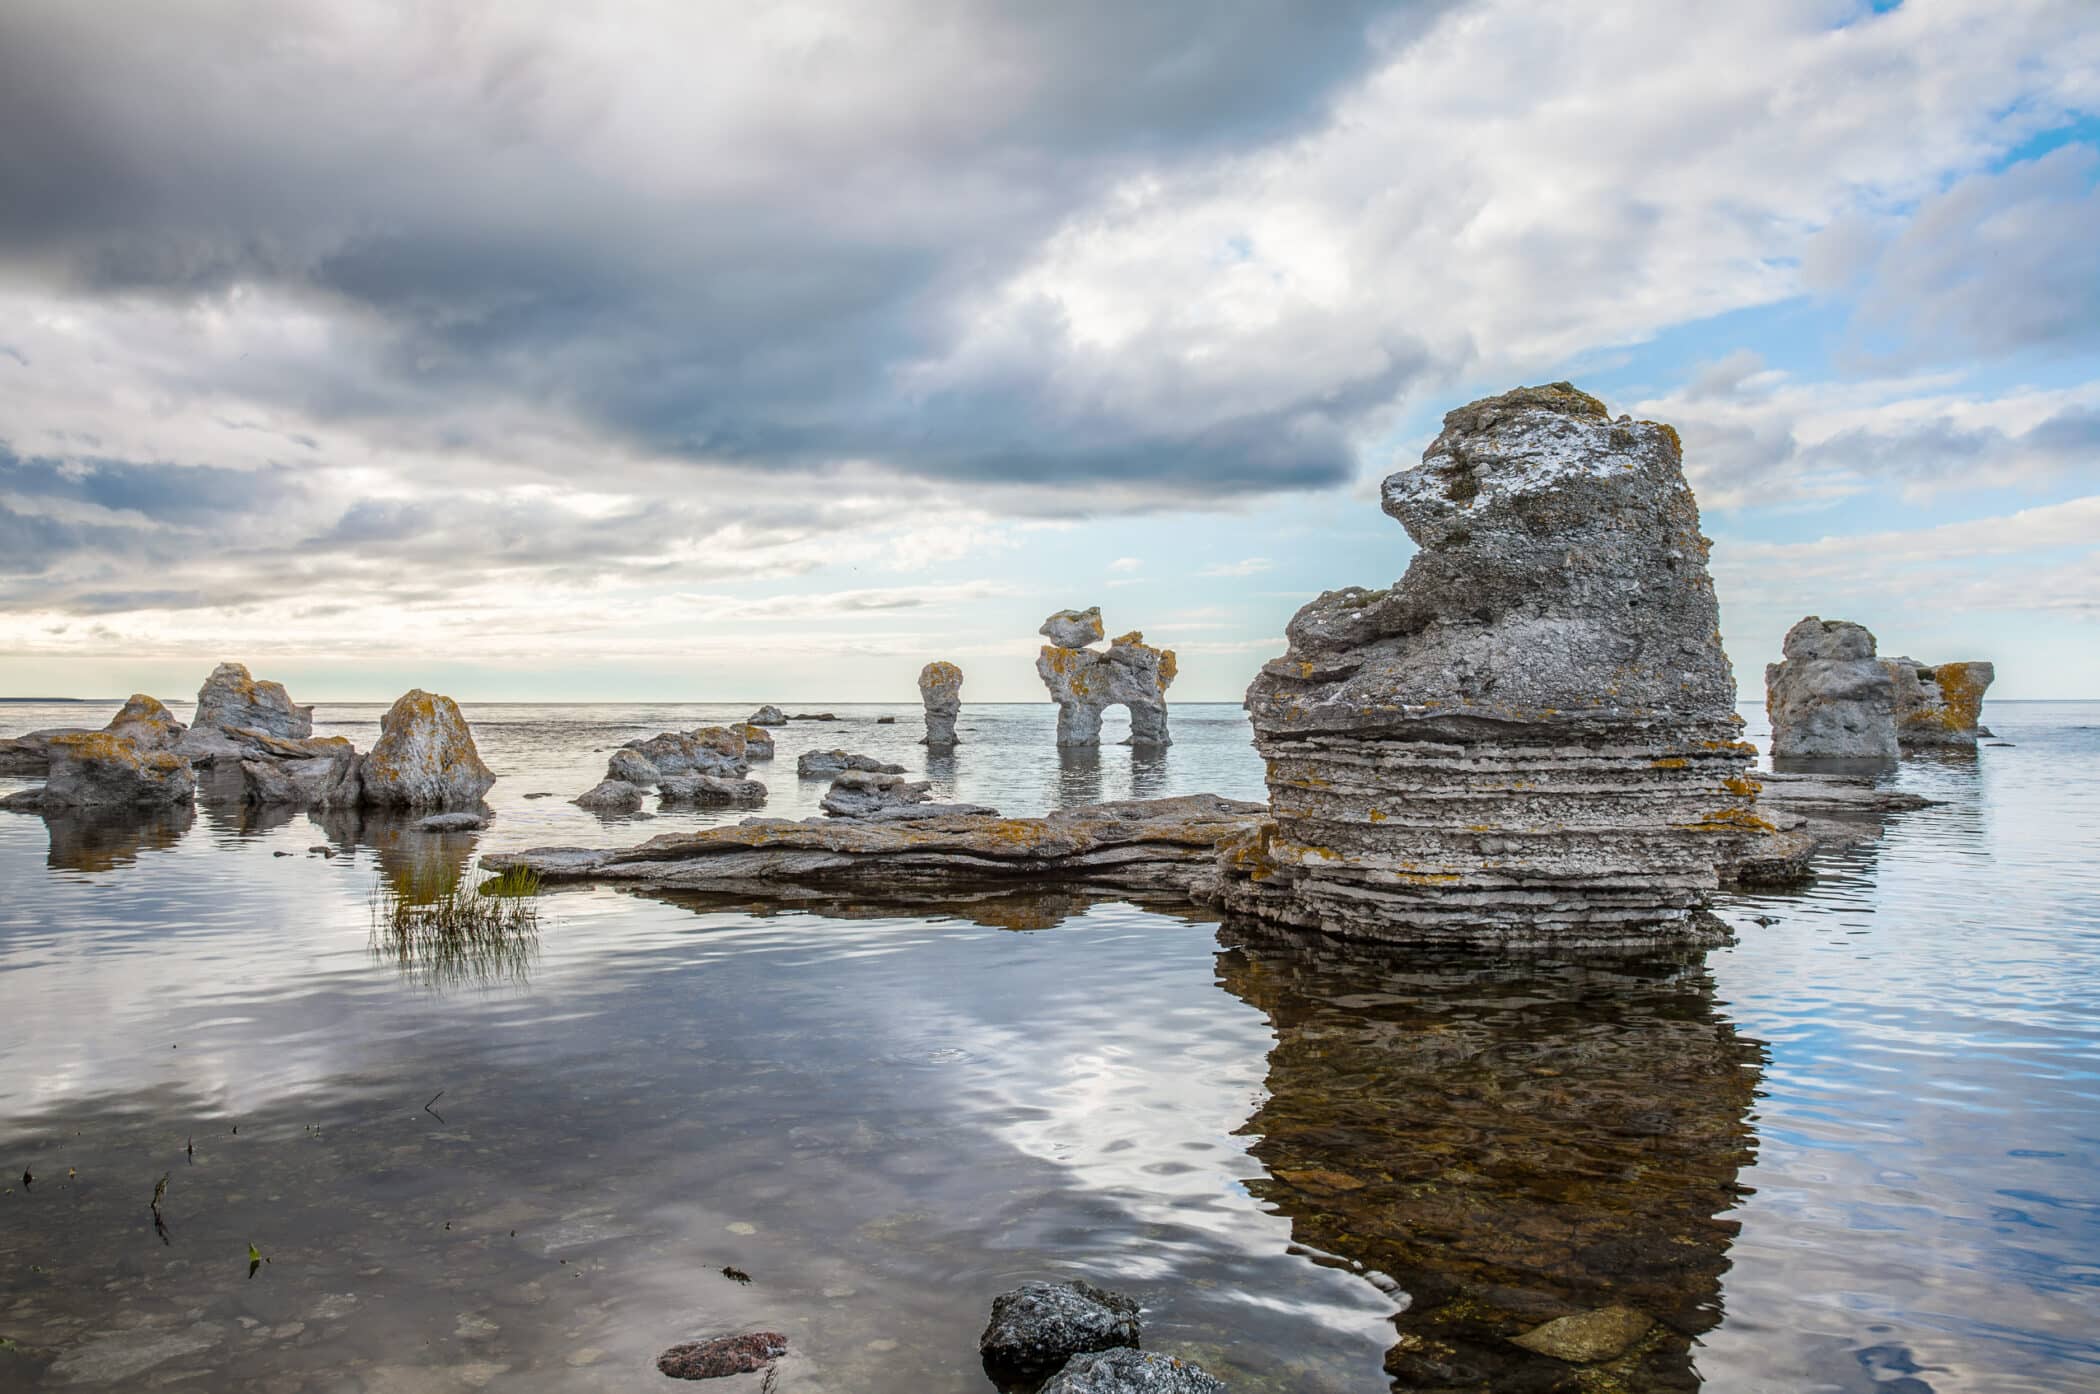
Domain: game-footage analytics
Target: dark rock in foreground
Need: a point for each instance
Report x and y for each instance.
(723, 1356)
(1132, 1372)
(1167, 845)
(1531, 737)
(1038, 1326)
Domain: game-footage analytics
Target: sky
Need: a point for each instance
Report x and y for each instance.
(719, 351)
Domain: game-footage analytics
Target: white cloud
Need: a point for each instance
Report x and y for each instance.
(1251, 566)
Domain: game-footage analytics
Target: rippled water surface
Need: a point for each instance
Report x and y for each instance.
(1855, 1151)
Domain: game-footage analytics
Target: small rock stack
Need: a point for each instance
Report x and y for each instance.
(1829, 697)
(1939, 705)
(940, 689)
(1532, 737)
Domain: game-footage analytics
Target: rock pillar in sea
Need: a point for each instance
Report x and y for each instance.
(1532, 736)
(1084, 681)
(1937, 705)
(1829, 697)
(940, 688)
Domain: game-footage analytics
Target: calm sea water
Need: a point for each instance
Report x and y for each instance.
(1855, 1151)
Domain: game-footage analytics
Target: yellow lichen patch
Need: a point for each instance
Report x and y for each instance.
(1427, 878)
(1135, 636)
(1376, 816)
(1168, 668)
(1669, 762)
(1731, 820)
(1742, 785)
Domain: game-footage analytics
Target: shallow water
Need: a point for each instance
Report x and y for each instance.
(1854, 1151)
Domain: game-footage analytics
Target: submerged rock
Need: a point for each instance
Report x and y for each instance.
(233, 701)
(610, 796)
(1126, 1371)
(940, 691)
(813, 716)
(767, 716)
(1532, 736)
(461, 821)
(95, 769)
(1157, 845)
(1829, 698)
(710, 789)
(1937, 705)
(1586, 1338)
(856, 793)
(424, 757)
(1084, 682)
(818, 764)
(1038, 1326)
(723, 1356)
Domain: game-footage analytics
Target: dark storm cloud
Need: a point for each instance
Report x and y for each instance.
(694, 241)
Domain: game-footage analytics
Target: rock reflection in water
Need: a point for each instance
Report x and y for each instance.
(991, 908)
(1513, 1143)
(96, 840)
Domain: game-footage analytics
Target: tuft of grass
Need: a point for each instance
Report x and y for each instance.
(446, 932)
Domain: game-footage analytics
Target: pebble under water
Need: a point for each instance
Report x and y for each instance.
(1854, 1151)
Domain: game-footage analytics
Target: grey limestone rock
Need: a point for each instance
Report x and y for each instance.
(940, 690)
(1938, 705)
(142, 720)
(1085, 681)
(1531, 737)
(23, 801)
(1829, 697)
(96, 769)
(1038, 1326)
(233, 700)
(424, 757)
(854, 793)
(710, 789)
(632, 767)
(610, 796)
(821, 764)
(459, 821)
(768, 715)
(314, 772)
(1127, 1371)
(708, 750)
(1074, 629)
(758, 741)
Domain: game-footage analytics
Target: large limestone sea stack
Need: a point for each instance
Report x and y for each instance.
(1532, 737)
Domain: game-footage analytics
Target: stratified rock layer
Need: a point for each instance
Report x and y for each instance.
(1532, 736)
(424, 757)
(940, 689)
(1830, 698)
(1937, 705)
(1086, 681)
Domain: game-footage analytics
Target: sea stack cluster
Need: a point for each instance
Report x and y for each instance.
(1532, 736)
(1084, 681)
(1830, 698)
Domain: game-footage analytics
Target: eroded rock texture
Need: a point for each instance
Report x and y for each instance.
(1829, 697)
(98, 769)
(233, 703)
(1532, 736)
(1937, 705)
(142, 720)
(768, 715)
(316, 772)
(1084, 681)
(424, 757)
(940, 689)
(1039, 1326)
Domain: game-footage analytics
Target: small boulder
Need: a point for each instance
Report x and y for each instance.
(632, 767)
(94, 769)
(1074, 629)
(813, 716)
(1039, 1326)
(424, 757)
(146, 721)
(767, 716)
(855, 793)
(677, 752)
(821, 764)
(710, 789)
(610, 796)
(1587, 1338)
(1127, 1371)
(885, 721)
(457, 822)
(723, 1356)
(1939, 705)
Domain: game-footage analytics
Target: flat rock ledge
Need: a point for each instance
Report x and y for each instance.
(1139, 845)
(1531, 738)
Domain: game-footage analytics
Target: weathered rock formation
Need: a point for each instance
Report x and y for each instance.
(940, 690)
(1085, 681)
(1127, 1371)
(96, 769)
(758, 741)
(1038, 1326)
(424, 757)
(1163, 845)
(610, 796)
(1937, 705)
(768, 716)
(231, 704)
(316, 772)
(716, 750)
(1532, 736)
(632, 767)
(859, 793)
(710, 789)
(142, 720)
(822, 764)
(1829, 698)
